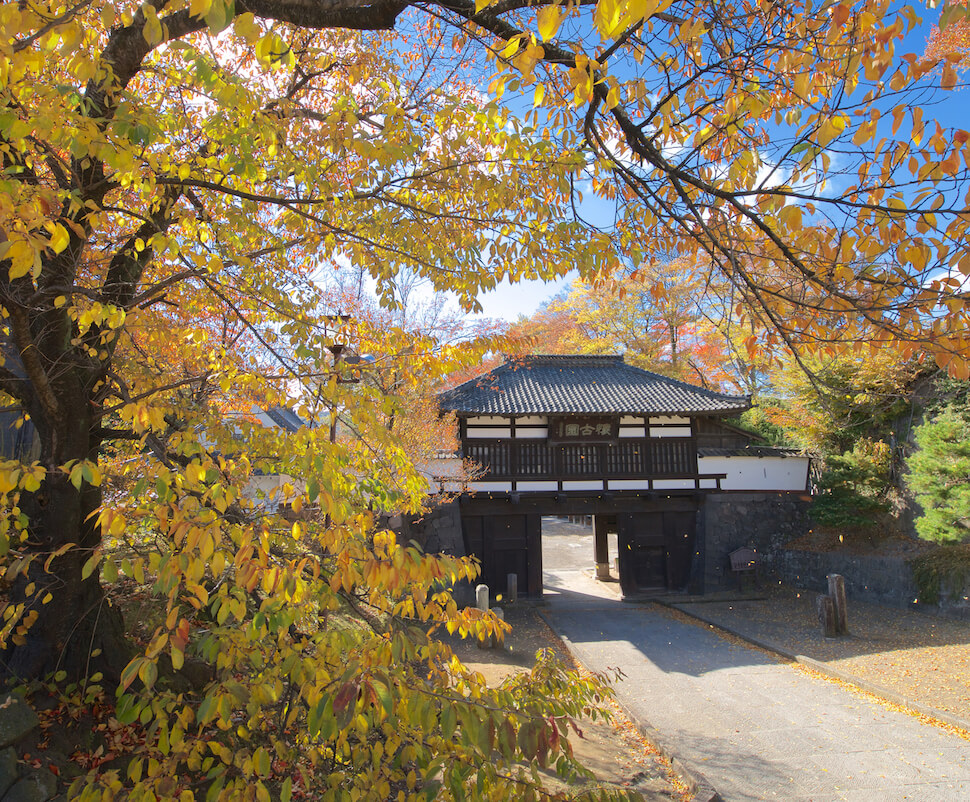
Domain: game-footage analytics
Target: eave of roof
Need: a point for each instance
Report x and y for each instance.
(583, 385)
(751, 451)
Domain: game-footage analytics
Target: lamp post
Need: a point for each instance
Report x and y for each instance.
(342, 353)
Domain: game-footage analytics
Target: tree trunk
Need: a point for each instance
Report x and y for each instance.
(75, 628)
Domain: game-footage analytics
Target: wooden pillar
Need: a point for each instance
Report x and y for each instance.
(533, 530)
(837, 592)
(626, 537)
(601, 547)
(825, 608)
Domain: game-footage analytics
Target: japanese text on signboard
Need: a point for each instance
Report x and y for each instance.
(582, 429)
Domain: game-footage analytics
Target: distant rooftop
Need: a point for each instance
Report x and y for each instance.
(583, 385)
(285, 418)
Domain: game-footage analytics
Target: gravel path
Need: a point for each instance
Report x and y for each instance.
(755, 727)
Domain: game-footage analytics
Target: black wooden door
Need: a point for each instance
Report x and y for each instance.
(655, 549)
(506, 544)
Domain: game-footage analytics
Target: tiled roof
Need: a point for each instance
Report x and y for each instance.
(535, 385)
(285, 418)
(751, 451)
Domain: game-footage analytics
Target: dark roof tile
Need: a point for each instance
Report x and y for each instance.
(536, 385)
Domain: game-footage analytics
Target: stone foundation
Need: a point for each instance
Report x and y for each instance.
(760, 521)
(438, 531)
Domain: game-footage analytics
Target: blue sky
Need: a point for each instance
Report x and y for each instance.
(508, 302)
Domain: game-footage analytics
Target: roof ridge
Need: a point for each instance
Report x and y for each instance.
(558, 357)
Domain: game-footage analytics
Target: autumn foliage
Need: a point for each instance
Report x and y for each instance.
(176, 177)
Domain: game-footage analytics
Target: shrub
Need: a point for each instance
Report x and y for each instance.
(854, 486)
(946, 567)
(939, 477)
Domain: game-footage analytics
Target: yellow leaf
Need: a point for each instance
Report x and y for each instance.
(199, 8)
(117, 525)
(949, 78)
(246, 28)
(59, 237)
(92, 562)
(549, 19)
(612, 98)
(153, 27)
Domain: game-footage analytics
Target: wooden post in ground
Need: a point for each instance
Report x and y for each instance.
(512, 588)
(837, 592)
(825, 607)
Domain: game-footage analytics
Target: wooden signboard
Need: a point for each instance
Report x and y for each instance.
(590, 429)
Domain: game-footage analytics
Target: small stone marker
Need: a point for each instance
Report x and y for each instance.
(837, 593)
(825, 606)
(481, 602)
(512, 588)
(481, 597)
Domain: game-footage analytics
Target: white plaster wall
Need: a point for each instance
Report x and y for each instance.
(670, 431)
(629, 484)
(673, 484)
(494, 487)
(489, 434)
(531, 433)
(537, 485)
(583, 485)
(633, 431)
(758, 473)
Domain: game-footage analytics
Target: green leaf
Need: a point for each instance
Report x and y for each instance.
(90, 564)
(77, 475)
(220, 14)
(153, 27)
(130, 672)
(449, 721)
(383, 694)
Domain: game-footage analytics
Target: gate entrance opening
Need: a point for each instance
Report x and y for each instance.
(648, 547)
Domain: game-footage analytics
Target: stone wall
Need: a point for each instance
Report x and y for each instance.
(729, 521)
(17, 780)
(887, 580)
(873, 578)
(438, 531)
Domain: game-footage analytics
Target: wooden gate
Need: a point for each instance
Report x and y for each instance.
(656, 548)
(506, 544)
